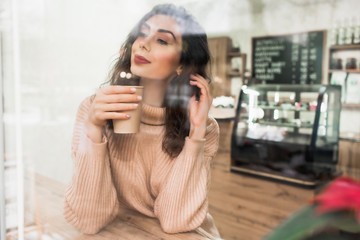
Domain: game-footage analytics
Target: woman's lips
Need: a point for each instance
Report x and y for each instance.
(140, 60)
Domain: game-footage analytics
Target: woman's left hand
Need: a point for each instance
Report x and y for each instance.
(199, 110)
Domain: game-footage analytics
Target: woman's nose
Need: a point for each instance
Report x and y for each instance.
(145, 44)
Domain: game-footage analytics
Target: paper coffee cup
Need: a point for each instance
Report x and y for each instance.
(132, 124)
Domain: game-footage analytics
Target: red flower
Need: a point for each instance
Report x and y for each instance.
(341, 194)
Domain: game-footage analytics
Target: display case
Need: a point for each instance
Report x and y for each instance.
(287, 132)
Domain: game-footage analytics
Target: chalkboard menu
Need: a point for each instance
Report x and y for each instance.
(293, 58)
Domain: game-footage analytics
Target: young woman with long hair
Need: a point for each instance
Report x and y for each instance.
(164, 170)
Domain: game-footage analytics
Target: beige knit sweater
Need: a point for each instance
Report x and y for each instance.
(131, 170)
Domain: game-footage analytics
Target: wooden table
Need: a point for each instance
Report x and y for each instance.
(44, 218)
(133, 225)
(243, 207)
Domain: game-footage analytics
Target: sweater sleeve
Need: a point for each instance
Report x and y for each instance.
(90, 199)
(182, 203)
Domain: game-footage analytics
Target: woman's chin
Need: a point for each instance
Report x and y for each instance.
(136, 72)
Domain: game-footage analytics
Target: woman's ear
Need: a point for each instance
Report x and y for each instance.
(179, 70)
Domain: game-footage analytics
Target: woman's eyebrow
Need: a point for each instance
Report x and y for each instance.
(160, 30)
(167, 31)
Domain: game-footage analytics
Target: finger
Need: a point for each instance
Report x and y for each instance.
(118, 107)
(202, 87)
(203, 93)
(201, 79)
(122, 98)
(116, 115)
(207, 86)
(116, 89)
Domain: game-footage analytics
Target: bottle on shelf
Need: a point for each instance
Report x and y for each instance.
(351, 63)
(334, 34)
(356, 34)
(348, 28)
(341, 33)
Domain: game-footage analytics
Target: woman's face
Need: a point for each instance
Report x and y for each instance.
(156, 52)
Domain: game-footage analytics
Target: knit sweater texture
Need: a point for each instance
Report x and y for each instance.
(131, 170)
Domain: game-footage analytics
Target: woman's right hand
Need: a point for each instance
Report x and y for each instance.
(110, 102)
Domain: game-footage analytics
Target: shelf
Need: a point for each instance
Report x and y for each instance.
(288, 140)
(284, 142)
(236, 54)
(285, 124)
(354, 47)
(347, 70)
(284, 109)
(350, 46)
(234, 74)
(350, 105)
(294, 109)
(350, 136)
(237, 73)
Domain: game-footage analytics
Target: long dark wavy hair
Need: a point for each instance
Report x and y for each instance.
(195, 57)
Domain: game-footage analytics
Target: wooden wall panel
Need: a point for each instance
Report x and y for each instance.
(219, 49)
(349, 159)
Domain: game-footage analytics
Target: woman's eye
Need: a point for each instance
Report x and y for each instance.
(163, 42)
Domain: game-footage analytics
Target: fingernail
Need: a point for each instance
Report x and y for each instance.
(139, 97)
(135, 105)
(128, 115)
(133, 89)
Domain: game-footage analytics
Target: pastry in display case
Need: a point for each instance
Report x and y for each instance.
(287, 132)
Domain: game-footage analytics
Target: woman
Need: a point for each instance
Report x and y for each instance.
(164, 170)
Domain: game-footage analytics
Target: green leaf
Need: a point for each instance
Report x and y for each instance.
(301, 224)
(326, 237)
(345, 220)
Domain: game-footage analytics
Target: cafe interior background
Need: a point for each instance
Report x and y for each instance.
(55, 53)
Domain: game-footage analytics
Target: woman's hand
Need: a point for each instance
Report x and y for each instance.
(199, 110)
(110, 102)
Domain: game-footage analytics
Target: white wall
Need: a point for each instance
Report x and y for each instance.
(67, 47)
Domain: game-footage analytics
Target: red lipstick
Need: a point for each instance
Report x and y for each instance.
(140, 60)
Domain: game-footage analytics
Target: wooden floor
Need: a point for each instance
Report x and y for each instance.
(249, 208)
(243, 207)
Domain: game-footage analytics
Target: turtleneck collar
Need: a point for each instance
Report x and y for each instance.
(152, 115)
